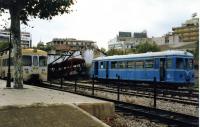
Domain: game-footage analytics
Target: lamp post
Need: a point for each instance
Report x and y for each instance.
(9, 61)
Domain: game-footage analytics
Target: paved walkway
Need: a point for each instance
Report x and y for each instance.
(40, 107)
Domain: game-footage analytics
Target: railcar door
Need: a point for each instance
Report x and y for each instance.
(96, 68)
(162, 69)
(107, 69)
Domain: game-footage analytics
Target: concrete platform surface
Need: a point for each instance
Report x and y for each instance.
(43, 104)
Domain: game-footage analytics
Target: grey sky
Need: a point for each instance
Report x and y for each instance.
(100, 20)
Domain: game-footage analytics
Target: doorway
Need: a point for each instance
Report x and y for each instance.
(162, 69)
(96, 68)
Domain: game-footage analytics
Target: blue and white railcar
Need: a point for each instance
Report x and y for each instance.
(166, 67)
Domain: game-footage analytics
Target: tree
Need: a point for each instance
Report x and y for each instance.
(20, 10)
(147, 47)
(3, 45)
(40, 45)
(115, 52)
(103, 50)
(47, 48)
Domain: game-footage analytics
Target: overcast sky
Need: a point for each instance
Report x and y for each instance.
(101, 20)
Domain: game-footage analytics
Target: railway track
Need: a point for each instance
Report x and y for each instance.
(169, 118)
(159, 115)
(161, 95)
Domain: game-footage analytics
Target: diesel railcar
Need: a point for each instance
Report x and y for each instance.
(166, 67)
(34, 65)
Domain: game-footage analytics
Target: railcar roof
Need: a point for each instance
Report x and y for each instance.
(148, 54)
(30, 51)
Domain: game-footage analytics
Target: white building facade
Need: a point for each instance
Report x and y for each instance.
(125, 40)
(26, 39)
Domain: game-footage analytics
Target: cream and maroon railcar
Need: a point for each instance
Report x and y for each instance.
(34, 65)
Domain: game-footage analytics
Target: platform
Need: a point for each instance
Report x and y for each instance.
(40, 107)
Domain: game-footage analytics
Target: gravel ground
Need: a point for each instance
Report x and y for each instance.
(118, 120)
(131, 121)
(166, 105)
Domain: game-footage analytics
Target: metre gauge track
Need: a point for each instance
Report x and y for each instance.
(166, 95)
(163, 116)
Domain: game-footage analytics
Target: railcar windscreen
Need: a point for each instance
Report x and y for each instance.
(169, 63)
(189, 63)
(42, 61)
(179, 63)
(35, 61)
(26, 60)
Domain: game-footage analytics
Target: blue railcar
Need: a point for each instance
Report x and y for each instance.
(166, 67)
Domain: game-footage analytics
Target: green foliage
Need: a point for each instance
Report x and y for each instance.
(103, 50)
(147, 47)
(44, 9)
(141, 48)
(3, 45)
(41, 46)
(120, 52)
(49, 48)
(21, 10)
(115, 52)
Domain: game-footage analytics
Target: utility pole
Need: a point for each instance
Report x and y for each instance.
(9, 61)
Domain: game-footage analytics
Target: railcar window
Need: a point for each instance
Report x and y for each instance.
(113, 64)
(189, 63)
(131, 64)
(179, 63)
(169, 63)
(35, 61)
(149, 63)
(26, 60)
(42, 61)
(139, 64)
(101, 65)
(4, 62)
(121, 64)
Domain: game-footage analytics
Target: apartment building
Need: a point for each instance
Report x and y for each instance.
(26, 39)
(188, 31)
(127, 40)
(70, 44)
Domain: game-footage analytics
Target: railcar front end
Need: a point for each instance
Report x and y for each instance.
(34, 65)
